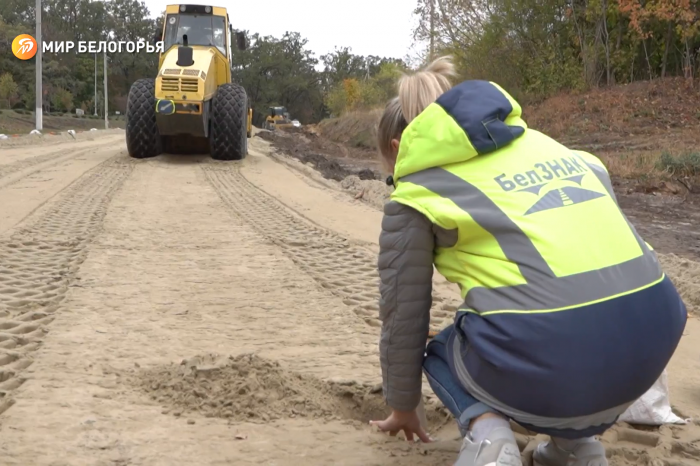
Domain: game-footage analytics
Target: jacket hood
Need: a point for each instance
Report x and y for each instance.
(473, 118)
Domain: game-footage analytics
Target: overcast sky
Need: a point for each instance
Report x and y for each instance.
(369, 27)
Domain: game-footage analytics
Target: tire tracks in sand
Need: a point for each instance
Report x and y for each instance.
(172, 275)
(343, 269)
(38, 261)
(43, 161)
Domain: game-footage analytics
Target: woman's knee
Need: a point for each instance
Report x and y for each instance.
(438, 345)
(444, 335)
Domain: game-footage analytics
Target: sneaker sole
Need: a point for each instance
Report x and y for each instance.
(509, 456)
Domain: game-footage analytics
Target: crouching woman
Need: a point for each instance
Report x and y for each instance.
(567, 315)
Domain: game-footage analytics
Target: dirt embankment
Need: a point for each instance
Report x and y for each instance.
(311, 149)
(356, 129)
(648, 133)
(357, 171)
(641, 115)
(51, 138)
(12, 122)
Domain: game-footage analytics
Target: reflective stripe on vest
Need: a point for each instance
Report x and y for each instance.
(543, 291)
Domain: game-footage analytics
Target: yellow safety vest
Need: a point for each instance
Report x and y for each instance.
(539, 228)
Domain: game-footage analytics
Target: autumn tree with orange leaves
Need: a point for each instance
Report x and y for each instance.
(540, 47)
(680, 19)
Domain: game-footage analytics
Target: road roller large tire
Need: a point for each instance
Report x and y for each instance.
(229, 116)
(142, 137)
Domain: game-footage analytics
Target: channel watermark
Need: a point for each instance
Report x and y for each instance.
(102, 46)
(25, 47)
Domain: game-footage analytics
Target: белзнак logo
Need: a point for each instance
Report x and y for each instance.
(24, 47)
(556, 183)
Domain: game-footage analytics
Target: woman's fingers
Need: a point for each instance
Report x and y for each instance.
(423, 436)
(389, 426)
(386, 425)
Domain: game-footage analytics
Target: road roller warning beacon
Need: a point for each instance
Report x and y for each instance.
(192, 106)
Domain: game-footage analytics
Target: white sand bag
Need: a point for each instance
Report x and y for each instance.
(654, 407)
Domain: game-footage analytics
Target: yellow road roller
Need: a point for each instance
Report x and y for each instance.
(192, 105)
(277, 118)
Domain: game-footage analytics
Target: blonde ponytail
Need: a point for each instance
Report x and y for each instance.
(422, 88)
(416, 92)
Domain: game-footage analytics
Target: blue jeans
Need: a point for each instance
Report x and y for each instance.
(446, 386)
(465, 407)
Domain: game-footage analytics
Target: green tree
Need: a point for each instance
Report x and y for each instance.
(8, 89)
(62, 100)
(386, 78)
(79, 20)
(280, 72)
(539, 47)
(274, 70)
(373, 90)
(340, 65)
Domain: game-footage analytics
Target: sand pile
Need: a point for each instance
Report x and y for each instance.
(685, 274)
(374, 192)
(251, 388)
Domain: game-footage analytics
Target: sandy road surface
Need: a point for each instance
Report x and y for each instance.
(184, 311)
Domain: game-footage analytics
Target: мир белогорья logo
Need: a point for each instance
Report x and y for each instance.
(24, 47)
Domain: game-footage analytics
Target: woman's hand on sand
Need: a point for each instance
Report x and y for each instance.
(407, 421)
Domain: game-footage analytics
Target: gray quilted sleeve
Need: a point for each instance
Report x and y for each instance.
(405, 264)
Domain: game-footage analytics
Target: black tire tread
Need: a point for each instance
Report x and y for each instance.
(229, 117)
(142, 135)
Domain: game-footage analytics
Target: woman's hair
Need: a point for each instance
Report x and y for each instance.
(422, 88)
(416, 92)
(391, 125)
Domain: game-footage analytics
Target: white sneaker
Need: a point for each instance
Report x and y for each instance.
(585, 454)
(499, 448)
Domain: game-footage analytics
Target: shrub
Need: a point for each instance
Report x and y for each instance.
(684, 164)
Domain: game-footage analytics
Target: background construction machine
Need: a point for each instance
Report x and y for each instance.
(192, 105)
(277, 118)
